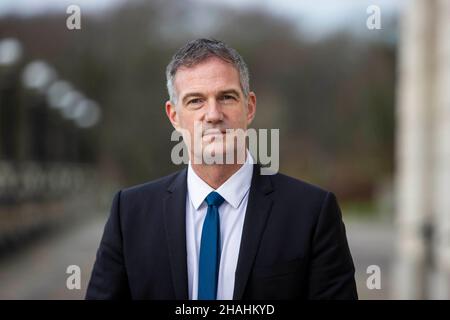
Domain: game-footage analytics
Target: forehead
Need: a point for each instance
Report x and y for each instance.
(210, 75)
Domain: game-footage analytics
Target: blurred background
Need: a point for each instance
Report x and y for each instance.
(363, 108)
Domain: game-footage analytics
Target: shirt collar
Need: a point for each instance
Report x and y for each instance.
(233, 190)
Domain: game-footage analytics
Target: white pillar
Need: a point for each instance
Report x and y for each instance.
(413, 150)
(441, 143)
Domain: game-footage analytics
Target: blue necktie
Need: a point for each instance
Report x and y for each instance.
(210, 249)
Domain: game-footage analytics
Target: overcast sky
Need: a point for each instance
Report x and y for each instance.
(317, 16)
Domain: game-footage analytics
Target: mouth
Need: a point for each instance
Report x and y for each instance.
(214, 132)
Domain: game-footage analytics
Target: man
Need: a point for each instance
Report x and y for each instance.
(220, 230)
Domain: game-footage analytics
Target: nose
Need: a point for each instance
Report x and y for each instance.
(213, 112)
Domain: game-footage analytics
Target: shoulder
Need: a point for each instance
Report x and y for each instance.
(152, 188)
(298, 193)
(297, 186)
(303, 201)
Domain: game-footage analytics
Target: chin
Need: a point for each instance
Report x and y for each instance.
(217, 151)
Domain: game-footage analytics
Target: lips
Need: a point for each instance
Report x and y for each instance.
(214, 132)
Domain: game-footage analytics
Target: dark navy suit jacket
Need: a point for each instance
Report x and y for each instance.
(293, 244)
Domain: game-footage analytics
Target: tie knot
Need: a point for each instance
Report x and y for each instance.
(214, 199)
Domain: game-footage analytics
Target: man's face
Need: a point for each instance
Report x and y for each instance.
(209, 94)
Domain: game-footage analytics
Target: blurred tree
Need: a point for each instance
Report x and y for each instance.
(333, 100)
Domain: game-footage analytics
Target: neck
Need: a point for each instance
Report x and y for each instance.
(216, 174)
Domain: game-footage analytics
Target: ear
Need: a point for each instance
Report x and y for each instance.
(172, 114)
(251, 107)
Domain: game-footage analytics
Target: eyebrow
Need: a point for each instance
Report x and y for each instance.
(221, 93)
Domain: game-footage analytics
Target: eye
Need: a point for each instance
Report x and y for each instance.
(227, 97)
(195, 101)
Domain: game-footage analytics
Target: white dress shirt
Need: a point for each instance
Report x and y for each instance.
(232, 213)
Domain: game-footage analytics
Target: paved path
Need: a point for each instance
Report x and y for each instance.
(372, 244)
(39, 270)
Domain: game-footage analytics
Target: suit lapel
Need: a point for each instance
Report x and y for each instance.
(258, 209)
(175, 226)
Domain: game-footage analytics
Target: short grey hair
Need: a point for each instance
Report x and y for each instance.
(197, 51)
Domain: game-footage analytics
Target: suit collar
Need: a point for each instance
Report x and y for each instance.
(174, 223)
(258, 210)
